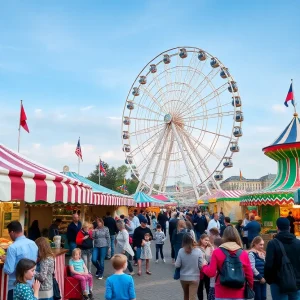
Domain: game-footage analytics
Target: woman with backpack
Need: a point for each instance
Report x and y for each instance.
(257, 257)
(189, 260)
(178, 235)
(230, 282)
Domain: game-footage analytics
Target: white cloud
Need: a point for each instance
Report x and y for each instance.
(279, 108)
(39, 113)
(87, 108)
(114, 118)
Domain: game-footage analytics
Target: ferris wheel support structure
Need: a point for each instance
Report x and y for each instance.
(178, 138)
(151, 159)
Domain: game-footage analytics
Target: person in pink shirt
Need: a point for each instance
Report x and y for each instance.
(232, 243)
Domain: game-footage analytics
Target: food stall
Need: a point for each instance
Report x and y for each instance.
(144, 201)
(105, 200)
(23, 181)
(282, 195)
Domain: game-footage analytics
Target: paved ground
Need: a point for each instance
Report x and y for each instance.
(158, 286)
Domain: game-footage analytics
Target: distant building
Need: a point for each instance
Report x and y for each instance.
(249, 185)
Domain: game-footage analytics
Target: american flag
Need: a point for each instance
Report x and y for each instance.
(78, 150)
(101, 168)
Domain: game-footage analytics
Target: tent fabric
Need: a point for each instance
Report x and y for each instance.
(103, 195)
(167, 201)
(143, 200)
(22, 179)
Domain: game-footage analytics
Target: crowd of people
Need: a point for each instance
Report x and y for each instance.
(211, 256)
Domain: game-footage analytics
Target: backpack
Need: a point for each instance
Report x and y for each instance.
(286, 274)
(232, 274)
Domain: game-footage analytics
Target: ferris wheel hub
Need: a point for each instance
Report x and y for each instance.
(168, 118)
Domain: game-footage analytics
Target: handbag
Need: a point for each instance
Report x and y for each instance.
(249, 293)
(56, 290)
(176, 274)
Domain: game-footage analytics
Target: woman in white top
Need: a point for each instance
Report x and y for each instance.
(123, 246)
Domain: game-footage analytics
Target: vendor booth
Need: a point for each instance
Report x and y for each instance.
(105, 199)
(146, 202)
(282, 195)
(168, 202)
(23, 181)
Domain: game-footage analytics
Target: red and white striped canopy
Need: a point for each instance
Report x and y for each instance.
(106, 199)
(23, 179)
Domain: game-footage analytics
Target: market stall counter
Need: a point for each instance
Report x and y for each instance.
(59, 255)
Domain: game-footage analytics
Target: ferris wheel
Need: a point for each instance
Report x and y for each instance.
(181, 123)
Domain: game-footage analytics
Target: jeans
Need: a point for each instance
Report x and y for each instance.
(10, 295)
(260, 291)
(198, 234)
(98, 258)
(164, 228)
(86, 255)
(204, 283)
(172, 249)
(176, 250)
(72, 246)
(189, 289)
(129, 266)
(159, 248)
(275, 292)
(112, 245)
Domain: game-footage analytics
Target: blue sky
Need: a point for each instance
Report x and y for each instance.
(73, 62)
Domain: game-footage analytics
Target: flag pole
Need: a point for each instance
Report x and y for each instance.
(19, 136)
(99, 170)
(78, 165)
(294, 97)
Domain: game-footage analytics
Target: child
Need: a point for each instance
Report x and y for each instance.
(25, 271)
(119, 285)
(211, 294)
(159, 238)
(146, 252)
(79, 271)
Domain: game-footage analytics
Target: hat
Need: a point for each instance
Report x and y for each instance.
(143, 220)
(283, 224)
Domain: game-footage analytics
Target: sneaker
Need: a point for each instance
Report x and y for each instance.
(156, 261)
(100, 277)
(91, 297)
(97, 274)
(131, 273)
(85, 297)
(164, 260)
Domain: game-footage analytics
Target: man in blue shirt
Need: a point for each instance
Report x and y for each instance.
(253, 228)
(72, 231)
(21, 248)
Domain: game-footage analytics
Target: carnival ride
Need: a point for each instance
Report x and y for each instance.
(181, 123)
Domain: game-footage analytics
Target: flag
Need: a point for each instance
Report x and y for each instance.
(241, 176)
(78, 150)
(290, 96)
(23, 119)
(101, 168)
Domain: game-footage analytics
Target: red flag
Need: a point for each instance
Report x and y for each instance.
(23, 119)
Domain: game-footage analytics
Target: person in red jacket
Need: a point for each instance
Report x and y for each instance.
(231, 242)
(84, 242)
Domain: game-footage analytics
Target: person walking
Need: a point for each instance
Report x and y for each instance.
(253, 228)
(232, 245)
(214, 223)
(292, 221)
(123, 246)
(159, 238)
(207, 249)
(84, 242)
(162, 219)
(273, 266)
(172, 227)
(257, 257)
(200, 224)
(178, 236)
(45, 269)
(224, 225)
(21, 248)
(189, 260)
(110, 223)
(245, 240)
(101, 244)
(138, 238)
(72, 231)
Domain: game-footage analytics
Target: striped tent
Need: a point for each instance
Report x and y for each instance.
(103, 195)
(24, 179)
(285, 150)
(166, 200)
(143, 200)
